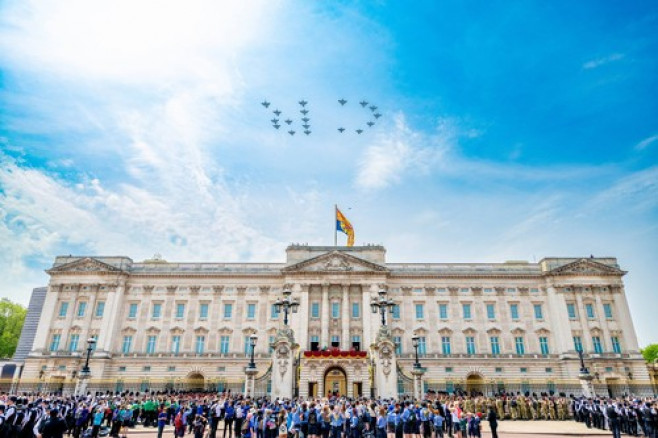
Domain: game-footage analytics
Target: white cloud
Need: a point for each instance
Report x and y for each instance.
(646, 143)
(602, 61)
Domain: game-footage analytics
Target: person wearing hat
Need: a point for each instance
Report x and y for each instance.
(54, 427)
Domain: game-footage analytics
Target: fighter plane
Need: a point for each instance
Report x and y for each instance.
(377, 115)
(275, 121)
(342, 101)
(291, 132)
(305, 119)
(277, 112)
(288, 121)
(307, 132)
(370, 124)
(304, 111)
(373, 107)
(359, 131)
(341, 130)
(306, 126)
(265, 103)
(363, 103)
(277, 126)
(303, 102)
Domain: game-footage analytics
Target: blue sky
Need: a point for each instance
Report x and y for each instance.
(508, 131)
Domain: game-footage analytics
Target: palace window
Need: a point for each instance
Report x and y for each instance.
(396, 311)
(422, 346)
(274, 311)
(150, 344)
(157, 310)
(520, 345)
(200, 344)
(491, 311)
(54, 343)
(577, 343)
(466, 308)
(356, 343)
(571, 310)
(203, 311)
(514, 311)
(127, 344)
(228, 310)
(175, 344)
(315, 309)
(223, 344)
(534, 290)
(539, 314)
(335, 309)
(132, 311)
(596, 341)
(251, 311)
(616, 345)
(470, 344)
(589, 308)
(315, 343)
(73, 342)
(355, 310)
(82, 307)
(543, 345)
(445, 344)
(420, 314)
(335, 341)
(488, 290)
(397, 340)
(271, 340)
(607, 310)
(180, 310)
(495, 345)
(63, 309)
(443, 311)
(247, 345)
(100, 309)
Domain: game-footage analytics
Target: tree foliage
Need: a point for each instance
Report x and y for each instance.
(12, 317)
(650, 353)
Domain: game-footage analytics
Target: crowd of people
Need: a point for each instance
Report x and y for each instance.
(226, 415)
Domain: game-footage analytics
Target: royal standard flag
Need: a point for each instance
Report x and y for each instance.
(343, 225)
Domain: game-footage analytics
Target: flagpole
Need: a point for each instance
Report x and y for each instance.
(335, 226)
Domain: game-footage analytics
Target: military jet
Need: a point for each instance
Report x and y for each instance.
(277, 112)
(342, 102)
(275, 121)
(373, 107)
(303, 102)
(306, 126)
(265, 103)
(288, 121)
(291, 132)
(304, 111)
(359, 131)
(363, 103)
(277, 126)
(370, 124)
(305, 119)
(377, 115)
(307, 132)
(341, 130)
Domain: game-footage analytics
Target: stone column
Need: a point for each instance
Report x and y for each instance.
(303, 316)
(366, 316)
(91, 306)
(386, 373)
(324, 336)
(559, 320)
(42, 337)
(346, 317)
(600, 316)
(624, 320)
(250, 381)
(112, 322)
(586, 383)
(584, 325)
(283, 365)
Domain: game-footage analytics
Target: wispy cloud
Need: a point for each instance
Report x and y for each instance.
(646, 143)
(595, 63)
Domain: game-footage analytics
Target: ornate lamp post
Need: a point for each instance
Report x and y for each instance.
(287, 304)
(585, 377)
(85, 373)
(252, 343)
(382, 305)
(583, 368)
(414, 342)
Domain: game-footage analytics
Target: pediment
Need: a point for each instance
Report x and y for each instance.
(87, 264)
(335, 261)
(586, 267)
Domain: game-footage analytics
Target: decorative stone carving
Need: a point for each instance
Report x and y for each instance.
(217, 289)
(147, 289)
(453, 290)
(337, 263)
(171, 290)
(194, 290)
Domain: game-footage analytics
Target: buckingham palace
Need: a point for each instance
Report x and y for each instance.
(334, 319)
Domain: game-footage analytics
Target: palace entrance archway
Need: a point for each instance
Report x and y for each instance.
(195, 382)
(475, 383)
(335, 381)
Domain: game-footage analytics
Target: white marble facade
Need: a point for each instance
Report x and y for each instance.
(482, 325)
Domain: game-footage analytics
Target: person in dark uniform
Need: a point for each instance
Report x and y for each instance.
(54, 426)
(492, 418)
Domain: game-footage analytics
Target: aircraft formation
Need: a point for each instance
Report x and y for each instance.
(304, 120)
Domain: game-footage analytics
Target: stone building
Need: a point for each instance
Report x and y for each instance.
(513, 326)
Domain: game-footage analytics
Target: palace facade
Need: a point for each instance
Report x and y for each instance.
(513, 326)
